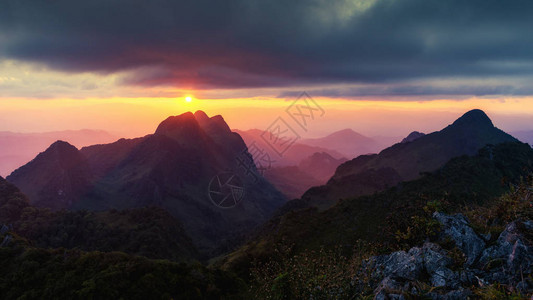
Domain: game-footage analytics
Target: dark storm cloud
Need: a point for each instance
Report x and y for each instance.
(260, 43)
(415, 90)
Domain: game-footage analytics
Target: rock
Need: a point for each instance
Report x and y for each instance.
(444, 277)
(6, 241)
(524, 286)
(406, 265)
(486, 237)
(4, 229)
(459, 294)
(435, 257)
(468, 278)
(508, 262)
(511, 256)
(386, 285)
(457, 228)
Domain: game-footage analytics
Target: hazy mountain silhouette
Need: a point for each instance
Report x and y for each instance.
(321, 165)
(172, 168)
(292, 157)
(17, 149)
(412, 136)
(291, 181)
(406, 161)
(314, 170)
(348, 142)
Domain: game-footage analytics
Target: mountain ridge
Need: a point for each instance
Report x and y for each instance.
(406, 161)
(171, 169)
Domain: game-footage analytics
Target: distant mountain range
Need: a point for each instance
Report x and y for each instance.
(406, 161)
(292, 157)
(314, 170)
(16, 149)
(310, 162)
(178, 168)
(348, 142)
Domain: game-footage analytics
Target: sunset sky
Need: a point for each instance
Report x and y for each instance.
(380, 67)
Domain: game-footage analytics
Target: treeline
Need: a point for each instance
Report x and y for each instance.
(35, 273)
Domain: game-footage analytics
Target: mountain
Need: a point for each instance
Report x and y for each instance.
(17, 149)
(406, 161)
(56, 178)
(390, 218)
(320, 165)
(348, 142)
(291, 181)
(284, 171)
(292, 157)
(412, 136)
(193, 166)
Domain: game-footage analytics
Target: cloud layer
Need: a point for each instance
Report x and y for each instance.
(228, 44)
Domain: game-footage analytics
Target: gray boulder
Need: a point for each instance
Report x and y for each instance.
(444, 277)
(458, 229)
(400, 264)
(397, 270)
(459, 294)
(511, 256)
(435, 257)
(509, 261)
(4, 229)
(389, 288)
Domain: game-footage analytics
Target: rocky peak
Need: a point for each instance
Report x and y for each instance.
(62, 146)
(184, 126)
(475, 117)
(201, 116)
(61, 153)
(213, 125)
(413, 136)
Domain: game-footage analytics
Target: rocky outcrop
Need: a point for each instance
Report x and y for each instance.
(399, 271)
(4, 237)
(457, 228)
(509, 261)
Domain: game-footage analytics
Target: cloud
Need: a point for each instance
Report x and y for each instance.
(232, 44)
(415, 92)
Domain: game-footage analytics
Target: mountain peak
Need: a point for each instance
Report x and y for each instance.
(412, 136)
(474, 117)
(201, 116)
(185, 123)
(62, 145)
(347, 133)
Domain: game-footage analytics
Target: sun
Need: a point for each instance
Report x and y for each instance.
(188, 99)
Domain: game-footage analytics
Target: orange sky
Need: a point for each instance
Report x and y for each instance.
(34, 98)
(130, 117)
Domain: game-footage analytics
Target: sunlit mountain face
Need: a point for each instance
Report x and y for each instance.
(245, 149)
